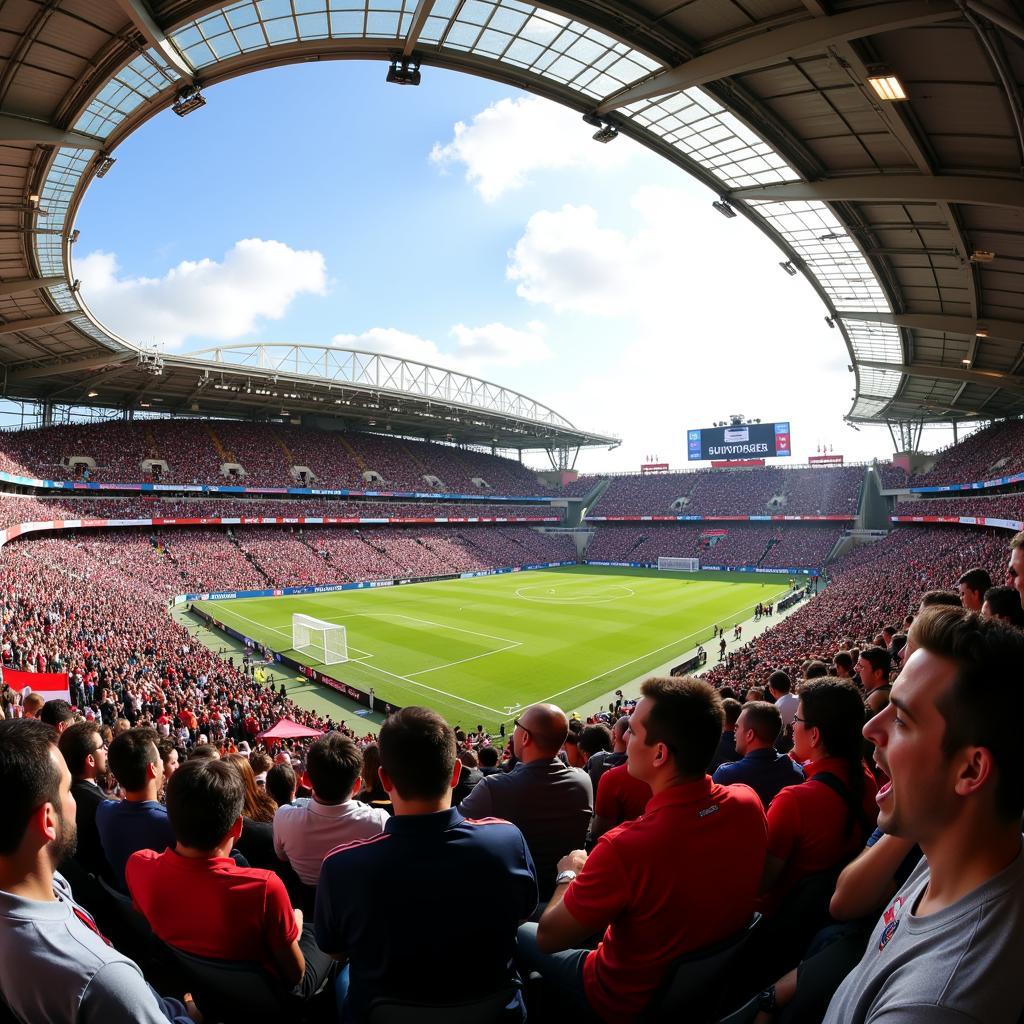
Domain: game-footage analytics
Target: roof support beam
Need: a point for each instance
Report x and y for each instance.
(29, 284)
(69, 366)
(805, 38)
(14, 326)
(14, 129)
(419, 19)
(143, 20)
(893, 188)
(967, 326)
(928, 371)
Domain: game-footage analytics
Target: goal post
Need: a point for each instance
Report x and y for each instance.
(678, 564)
(325, 641)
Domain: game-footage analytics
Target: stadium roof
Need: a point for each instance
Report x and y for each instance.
(907, 216)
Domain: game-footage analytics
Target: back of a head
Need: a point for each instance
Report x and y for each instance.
(418, 753)
(29, 777)
(129, 756)
(816, 670)
(548, 726)
(204, 752)
(488, 757)
(835, 708)
(988, 655)
(76, 743)
(940, 598)
(281, 784)
(731, 708)
(333, 765)
(764, 718)
(686, 714)
(204, 799)
(56, 713)
(779, 682)
(33, 704)
(1005, 604)
(595, 738)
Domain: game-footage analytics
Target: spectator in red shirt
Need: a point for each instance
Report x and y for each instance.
(636, 888)
(822, 823)
(620, 797)
(198, 900)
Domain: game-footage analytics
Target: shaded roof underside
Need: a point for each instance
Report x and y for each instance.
(766, 101)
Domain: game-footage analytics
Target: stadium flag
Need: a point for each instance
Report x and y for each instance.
(49, 685)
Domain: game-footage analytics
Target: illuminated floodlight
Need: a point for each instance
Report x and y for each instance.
(887, 88)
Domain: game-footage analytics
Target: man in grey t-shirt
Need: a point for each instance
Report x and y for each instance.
(947, 948)
(54, 964)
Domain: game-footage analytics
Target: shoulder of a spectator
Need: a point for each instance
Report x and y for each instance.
(118, 991)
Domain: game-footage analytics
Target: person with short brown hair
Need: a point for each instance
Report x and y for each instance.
(682, 876)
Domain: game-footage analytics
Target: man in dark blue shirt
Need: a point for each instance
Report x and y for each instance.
(761, 766)
(139, 822)
(389, 904)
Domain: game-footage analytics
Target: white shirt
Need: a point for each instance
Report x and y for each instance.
(787, 705)
(306, 831)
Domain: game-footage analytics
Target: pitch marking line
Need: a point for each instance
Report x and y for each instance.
(632, 661)
(384, 671)
(286, 634)
(462, 661)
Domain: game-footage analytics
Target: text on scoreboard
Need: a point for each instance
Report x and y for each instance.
(738, 441)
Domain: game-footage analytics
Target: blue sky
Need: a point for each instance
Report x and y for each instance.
(317, 204)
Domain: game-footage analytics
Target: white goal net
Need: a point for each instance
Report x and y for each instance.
(324, 641)
(678, 564)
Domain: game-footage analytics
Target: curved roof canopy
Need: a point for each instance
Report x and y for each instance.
(907, 216)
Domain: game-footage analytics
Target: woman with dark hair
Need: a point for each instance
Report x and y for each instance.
(256, 843)
(372, 791)
(822, 823)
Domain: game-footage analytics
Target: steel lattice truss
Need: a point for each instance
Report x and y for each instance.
(906, 217)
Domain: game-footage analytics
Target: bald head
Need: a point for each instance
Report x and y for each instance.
(619, 734)
(543, 728)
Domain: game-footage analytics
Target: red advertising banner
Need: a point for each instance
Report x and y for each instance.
(825, 460)
(733, 463)
(654, 467)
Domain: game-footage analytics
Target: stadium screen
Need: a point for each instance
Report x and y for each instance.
(738, 441)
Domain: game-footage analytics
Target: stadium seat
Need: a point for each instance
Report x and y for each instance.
(234, 992)
(500, 1007)
(695, 989)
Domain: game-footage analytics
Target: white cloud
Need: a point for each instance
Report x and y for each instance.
(476, 348)
(511, 139)
(706, 323)
(257, 279)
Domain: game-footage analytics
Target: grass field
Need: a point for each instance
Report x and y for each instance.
(475, 648)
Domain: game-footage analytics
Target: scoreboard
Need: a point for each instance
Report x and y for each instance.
(738, 441)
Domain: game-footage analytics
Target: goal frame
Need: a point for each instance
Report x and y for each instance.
(328, 641)
(668, 563)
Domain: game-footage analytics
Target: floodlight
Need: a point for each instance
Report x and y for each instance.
(103, 164)
(887, 87)
(93, 394)
(188, 98)
(966, 362)
(981, 332)
(830, 322)
(788, 267)
(73, 237)
(723, 207)
(982, 256)
(403, 73)
(34, 198)
(606, 134)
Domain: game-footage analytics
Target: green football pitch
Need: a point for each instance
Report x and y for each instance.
(475, 649)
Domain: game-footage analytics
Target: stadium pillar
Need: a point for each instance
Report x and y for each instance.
(46, 414)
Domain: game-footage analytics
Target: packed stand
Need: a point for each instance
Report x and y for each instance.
(1004, 507)
(994, 451)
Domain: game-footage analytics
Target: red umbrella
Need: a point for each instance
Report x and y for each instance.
(286, 729)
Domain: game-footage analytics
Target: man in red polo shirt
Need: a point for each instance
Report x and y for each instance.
(198, 900)
(692, 862)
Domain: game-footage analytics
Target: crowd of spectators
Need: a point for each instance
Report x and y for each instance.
(772, 545)
(833, 490)
(195, 450)
(994, 451)
(1010, 506)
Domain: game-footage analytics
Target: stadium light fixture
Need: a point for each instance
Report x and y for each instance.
(103, 164)
(188, 98)
(606, 134)
(93, 394)
(788, 267)
(982, 256)
(723, 207)
(34, 198)
(73, 237)
(831, 323)
(981, 332)
(403, 73)
(887, 87)
(966, 362)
